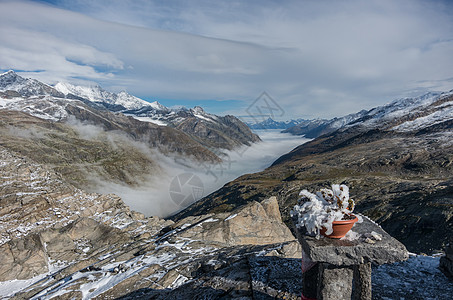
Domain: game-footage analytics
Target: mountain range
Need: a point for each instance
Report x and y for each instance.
(83, 140)
(309, 128)
(57, 240)
(269, 123)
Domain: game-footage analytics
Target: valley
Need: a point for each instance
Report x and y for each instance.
(103, 199)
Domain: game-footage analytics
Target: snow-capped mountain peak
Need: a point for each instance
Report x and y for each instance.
(96, 93)
(198, 110)
(25, 87)
(9, 78)
(156, 105)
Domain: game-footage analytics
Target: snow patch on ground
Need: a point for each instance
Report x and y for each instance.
(231, 217)
(149, 120)
(426, 121)
(9, 288)
(203, 117)
(417, 278)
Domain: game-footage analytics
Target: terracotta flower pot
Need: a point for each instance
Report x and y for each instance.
(340, 228)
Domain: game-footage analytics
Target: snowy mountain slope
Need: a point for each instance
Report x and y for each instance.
(210, 130)
(400, 115)
(272, 124)
(48, 108)
(43, 101)
(96, 93)
(316, 127)
(25, 87)
(410, 114)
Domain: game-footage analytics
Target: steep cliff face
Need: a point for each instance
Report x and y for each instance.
(397, 161)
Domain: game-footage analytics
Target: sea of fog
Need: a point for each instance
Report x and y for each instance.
(182, 182)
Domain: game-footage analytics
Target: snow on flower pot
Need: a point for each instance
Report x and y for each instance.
(340, 228)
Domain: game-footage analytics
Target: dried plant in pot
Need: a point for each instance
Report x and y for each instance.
(327, 213)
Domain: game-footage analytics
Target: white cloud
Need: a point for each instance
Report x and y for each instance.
(318, 58)
(152, 197)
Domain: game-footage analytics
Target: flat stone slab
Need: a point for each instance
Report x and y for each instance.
(344, 252)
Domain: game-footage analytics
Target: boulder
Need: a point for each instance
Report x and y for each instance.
(254, 224)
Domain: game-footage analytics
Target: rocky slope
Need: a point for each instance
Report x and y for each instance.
(210, 130)
(214, 132)
(397, 159)
(80, 153)
(60, 241)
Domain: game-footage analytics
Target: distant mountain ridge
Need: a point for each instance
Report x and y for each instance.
(316, 127)
(309, 128)
(269, 123)
(375, 116)
(209, 130)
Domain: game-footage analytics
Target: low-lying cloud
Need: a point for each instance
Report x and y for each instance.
(154, 193)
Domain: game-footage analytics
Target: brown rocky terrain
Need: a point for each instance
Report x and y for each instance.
(78, 245)
(64, 243)
(71, 153)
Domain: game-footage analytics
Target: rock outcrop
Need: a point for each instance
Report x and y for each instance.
(240, 226)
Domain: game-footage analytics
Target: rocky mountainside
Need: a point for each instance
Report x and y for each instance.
(397, 159)
(212, 131)
(57, 240)
(82, 139)
(209, 131)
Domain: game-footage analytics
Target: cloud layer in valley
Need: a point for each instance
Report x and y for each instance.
(317, 58)
(152, 193)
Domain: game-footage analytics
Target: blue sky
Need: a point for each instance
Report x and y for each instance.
(314, 58)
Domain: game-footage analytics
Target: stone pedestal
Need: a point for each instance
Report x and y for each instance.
(343, 268)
